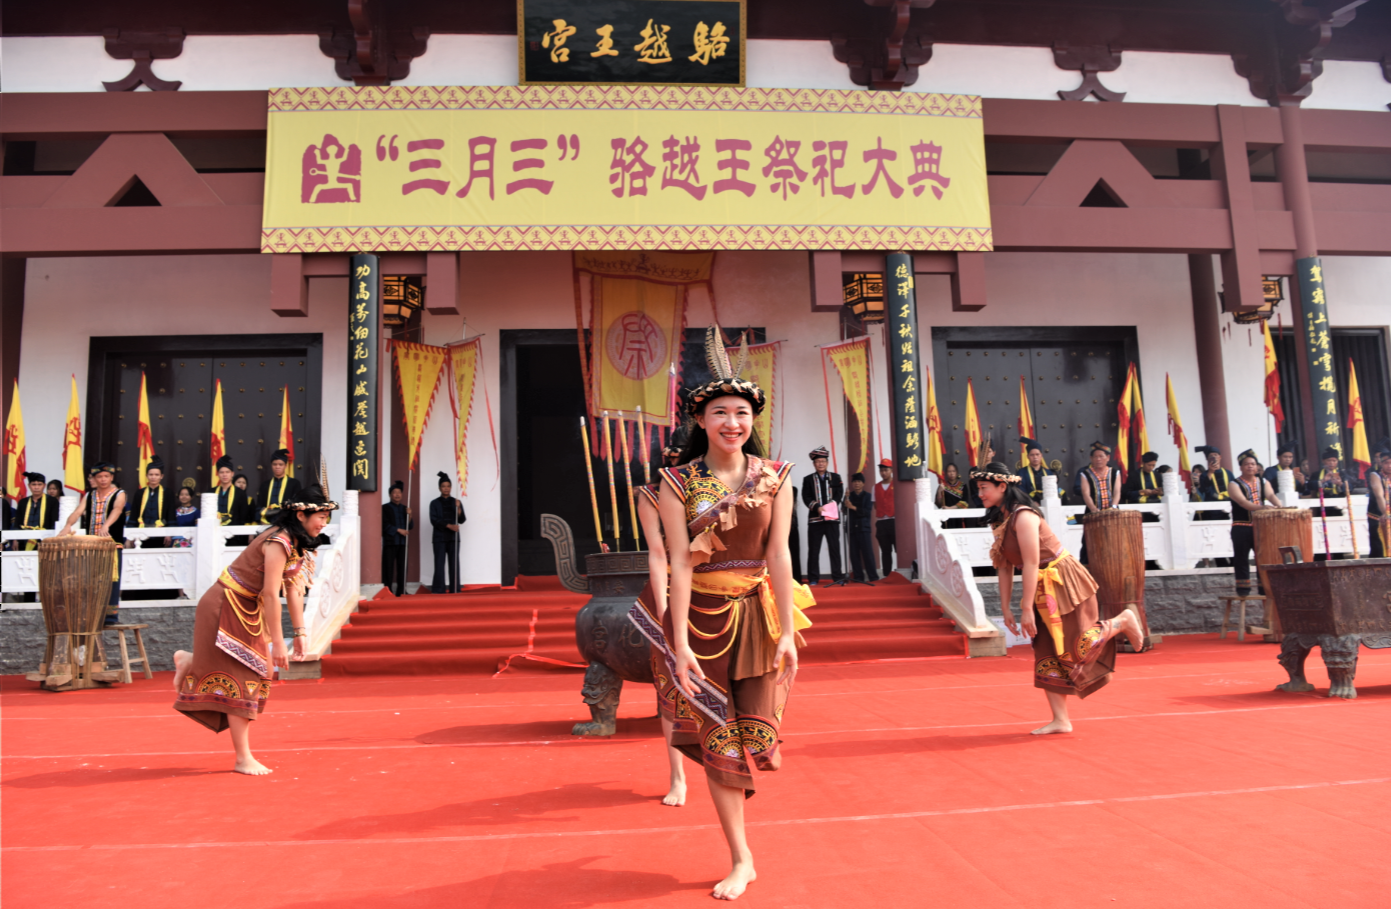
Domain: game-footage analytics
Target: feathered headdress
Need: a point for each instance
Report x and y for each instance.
(726, 379)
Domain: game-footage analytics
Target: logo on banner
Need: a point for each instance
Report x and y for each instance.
(636, 346)
(331, 172)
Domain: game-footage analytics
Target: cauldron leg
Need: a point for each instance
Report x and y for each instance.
(1294, 650)
(1340, 659)
(602, 687)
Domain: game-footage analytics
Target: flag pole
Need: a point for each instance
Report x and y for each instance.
(628, 476)
(593, 496)
(1352, 524)
(613, 485)
(646, 449)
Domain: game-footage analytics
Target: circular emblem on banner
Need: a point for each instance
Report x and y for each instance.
(636, 346)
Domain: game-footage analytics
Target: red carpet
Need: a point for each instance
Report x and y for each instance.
(1188, 783)
(469, 633)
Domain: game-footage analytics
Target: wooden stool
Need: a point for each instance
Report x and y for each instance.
(1241, 600)
(126, 661)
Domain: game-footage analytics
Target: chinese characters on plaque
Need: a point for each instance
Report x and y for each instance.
(650, 42)
(364, 297)
(1323, 385)
(901, 324)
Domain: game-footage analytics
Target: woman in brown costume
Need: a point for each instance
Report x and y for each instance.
(237, 636)
(1076, 651)
(729, 634)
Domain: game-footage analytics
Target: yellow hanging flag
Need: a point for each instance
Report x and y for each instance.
(761, 370)
(217, 445)
(851, 361)
(1122, 459)
(73, 476)
(287, 433)
(1176, 430)
(463, 365)
(418, 371)
(1026, 422)
(1137, 414)
(1360, 453)
(14, 447)
(973, 451)
(935, 448)
(1272, 380)
(144, 435)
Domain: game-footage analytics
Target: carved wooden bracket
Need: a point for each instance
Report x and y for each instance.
(1089, 61)
(1283, 70)
(889, 62)
(372, 53)
(142, 47)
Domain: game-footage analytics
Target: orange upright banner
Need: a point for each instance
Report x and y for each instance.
(16, 485)
(1272, 379)
(851, 361)
(1176, 430)
(1137, 415)
(144, 436)
(1123, 413)
(972, 426)
(418, 371)
(464, 368)
(935, 449)
(762, 370)
(73, 477)
(1360, 453)
(217, 442)
(1026, 422)
(287, 432)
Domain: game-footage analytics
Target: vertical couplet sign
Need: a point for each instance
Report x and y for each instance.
(1323, 386)
(364, 299)
(902, 327)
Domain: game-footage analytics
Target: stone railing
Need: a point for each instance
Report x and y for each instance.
(945, 573)
(194, 563)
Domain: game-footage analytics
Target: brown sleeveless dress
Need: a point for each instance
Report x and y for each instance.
(729, 633)
(232, 666)
(1066, 611)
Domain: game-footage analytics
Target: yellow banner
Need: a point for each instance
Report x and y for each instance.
(851, 361)
(418, 371)
(144, 436)
(73, 476)
(635, 338)
(463, 366)
(14, 448)
(622, 167)
(762, 370)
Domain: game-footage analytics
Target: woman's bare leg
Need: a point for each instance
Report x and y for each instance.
(183, 662)
(1061, 723)
(1128, 624)
(240, 727)
(676, 795)
(729, 805)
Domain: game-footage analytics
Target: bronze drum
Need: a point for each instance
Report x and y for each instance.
(1116, 559)
(1273, 528)
(75, 577)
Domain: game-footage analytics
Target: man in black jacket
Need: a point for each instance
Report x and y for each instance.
(396, 527)
(279, 489)
(860, 505)
(446, 514)
(823, 491)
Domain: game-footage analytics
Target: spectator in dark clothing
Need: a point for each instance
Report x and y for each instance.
(446, 514)
(396, 527)
(860, 505)
(822, 493)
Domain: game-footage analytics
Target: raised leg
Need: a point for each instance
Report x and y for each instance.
(1340, 659)
(1294, 650)
(601, 691)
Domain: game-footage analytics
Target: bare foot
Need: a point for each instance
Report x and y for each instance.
(183, 661)
(677, 796)
(251, 767)
(1128, 623)
(732, 887)
(1053, 728)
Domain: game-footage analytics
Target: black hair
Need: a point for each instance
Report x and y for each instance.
(951, 467)
(240, 476)
(287, 519)
(698, 442)
(52, 483)
(1014, 496)
(857, 476)
(185, 489)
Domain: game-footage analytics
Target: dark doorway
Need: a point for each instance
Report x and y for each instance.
(1073, 377)
(181, 374)
(1366, 348)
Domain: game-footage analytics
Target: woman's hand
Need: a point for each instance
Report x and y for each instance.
(300, 648)
(686, 666)
(1027, 620)
(786, 657)
(279, 656)
(1012, 625)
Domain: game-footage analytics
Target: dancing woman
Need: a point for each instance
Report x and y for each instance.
(653, 598)
(1076, 652)
(729, 633)
(237, 635)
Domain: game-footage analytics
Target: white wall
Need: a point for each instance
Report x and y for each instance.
(1150, 292)
(255, 62)
(69, 300)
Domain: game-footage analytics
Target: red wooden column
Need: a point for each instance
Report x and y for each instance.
(1207, 332)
